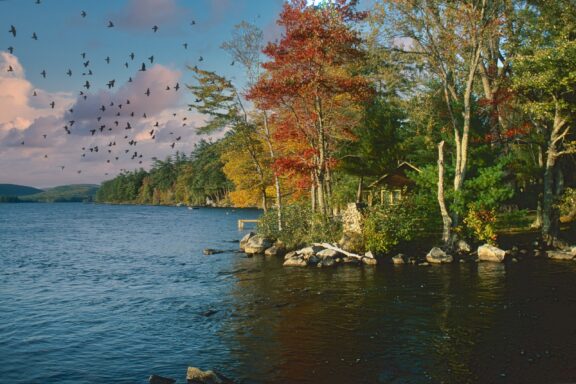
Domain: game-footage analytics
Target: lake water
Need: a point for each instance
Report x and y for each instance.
(112, 294)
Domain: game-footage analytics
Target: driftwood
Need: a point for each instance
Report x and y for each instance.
(335, 248)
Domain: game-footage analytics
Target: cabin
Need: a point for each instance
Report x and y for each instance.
(391, 187)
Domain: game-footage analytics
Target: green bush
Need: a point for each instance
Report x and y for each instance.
(300, 226)
(388, 226)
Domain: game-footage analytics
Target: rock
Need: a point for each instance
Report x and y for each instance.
(313, 260)
(326, 262)
(309, 251)
(257, 244)
(423, 264)
(369, 261)
(210, 251)
(295, 262)
(245, 239)
(155, 379)
(398, 259)
(197, 376)
(560, 255)
(438, 256)
(290, 255)
(489, 252)
(275, 251)
(462, 247)
(369, 255)
(350, 260)
(328, 253)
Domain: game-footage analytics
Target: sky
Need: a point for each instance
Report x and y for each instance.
(89, 118)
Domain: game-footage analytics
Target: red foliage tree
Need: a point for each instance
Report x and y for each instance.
(313, 85)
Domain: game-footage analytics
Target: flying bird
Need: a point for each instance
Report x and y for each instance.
(11, 50)
(147, 93)
(34, 36)
(107, 59)
(110, 24)
(87, 84)
(177, 87)
(143, 67)
(83, 13)
(155, 28)
(43, 73)
(151, 58)
(10, 69)
(12, 30)
(52, 104)
(193, 22)
(111, 83)
(132, 56)
(69, 72)
(185, 45)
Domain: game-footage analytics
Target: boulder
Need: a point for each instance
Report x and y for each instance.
(295, 262)
(197, 376)
(155, 379)
(312, 260)
(309, 251)
(462, 247)
(350, 260)
(328, 253)
(326, 262)
(369, 255)
(245, 239)
(560, 255)
(257, 244)
(398, 259)
(438, 256)
(369, 261)
(290, 255)
(489, 252)
(275, 251)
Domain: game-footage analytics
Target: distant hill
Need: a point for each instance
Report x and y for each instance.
(64, 193)
(17, 190)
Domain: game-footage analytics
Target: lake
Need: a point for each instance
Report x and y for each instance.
(111, 294)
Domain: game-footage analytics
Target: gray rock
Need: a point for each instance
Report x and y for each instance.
(462, 247)
(560, 255)
(326, 262)
(350, 260)
(369, 261)
(312, 260)
(290, 255)
(398, 259)
(155, 379)
(275, 251)
(328, 253)
(295, 262)
(309, 251)
(491, 253)
(438, 256)
(245, 239)
(257, 244)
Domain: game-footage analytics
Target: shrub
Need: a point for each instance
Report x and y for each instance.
(387, 226)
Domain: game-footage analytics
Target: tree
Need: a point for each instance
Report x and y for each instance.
(448, 38)
(311, 85)
(545, 78)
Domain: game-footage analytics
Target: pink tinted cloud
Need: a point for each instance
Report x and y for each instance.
(144, 14)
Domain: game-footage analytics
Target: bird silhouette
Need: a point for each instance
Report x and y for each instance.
(11, 50)
(143, 67)
(193, 22)
(83, 13)
(147, 93)
(110, 24)
(34, 36)
(87, 84)
(52, 104)
(69, 72)
(86, 64)
(155, 28)
(185, 45)
(43, 73)
(177, 87)
(201, 58)
(10, 69)
(132, 56)
(107, 59)
(12, 30)
(151, 58)
(111, 83)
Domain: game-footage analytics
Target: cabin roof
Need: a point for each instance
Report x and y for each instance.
(398, 177)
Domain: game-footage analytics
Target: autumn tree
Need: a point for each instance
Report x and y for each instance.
(312, 85)
(448, 39)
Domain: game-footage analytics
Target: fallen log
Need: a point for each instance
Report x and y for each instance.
(335, 248)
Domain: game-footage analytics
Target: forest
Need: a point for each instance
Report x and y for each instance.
(478, 95)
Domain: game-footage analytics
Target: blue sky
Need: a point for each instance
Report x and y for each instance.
(50, 156)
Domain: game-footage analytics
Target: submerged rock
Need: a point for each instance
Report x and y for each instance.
(398, 259)
(210, 251)
(295, 262)
(560, 255)
(326, 262)
(155, 379)
(275, 251)
(489, 252)
(438, 256)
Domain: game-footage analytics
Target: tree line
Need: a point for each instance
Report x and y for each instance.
(478, 94)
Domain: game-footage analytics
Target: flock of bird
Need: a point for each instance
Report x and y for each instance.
(114, 119)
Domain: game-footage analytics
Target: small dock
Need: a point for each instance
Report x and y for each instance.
(241, 223)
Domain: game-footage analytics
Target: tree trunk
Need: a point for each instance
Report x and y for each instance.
(276, 178)
(359, 192)
(446, 220)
